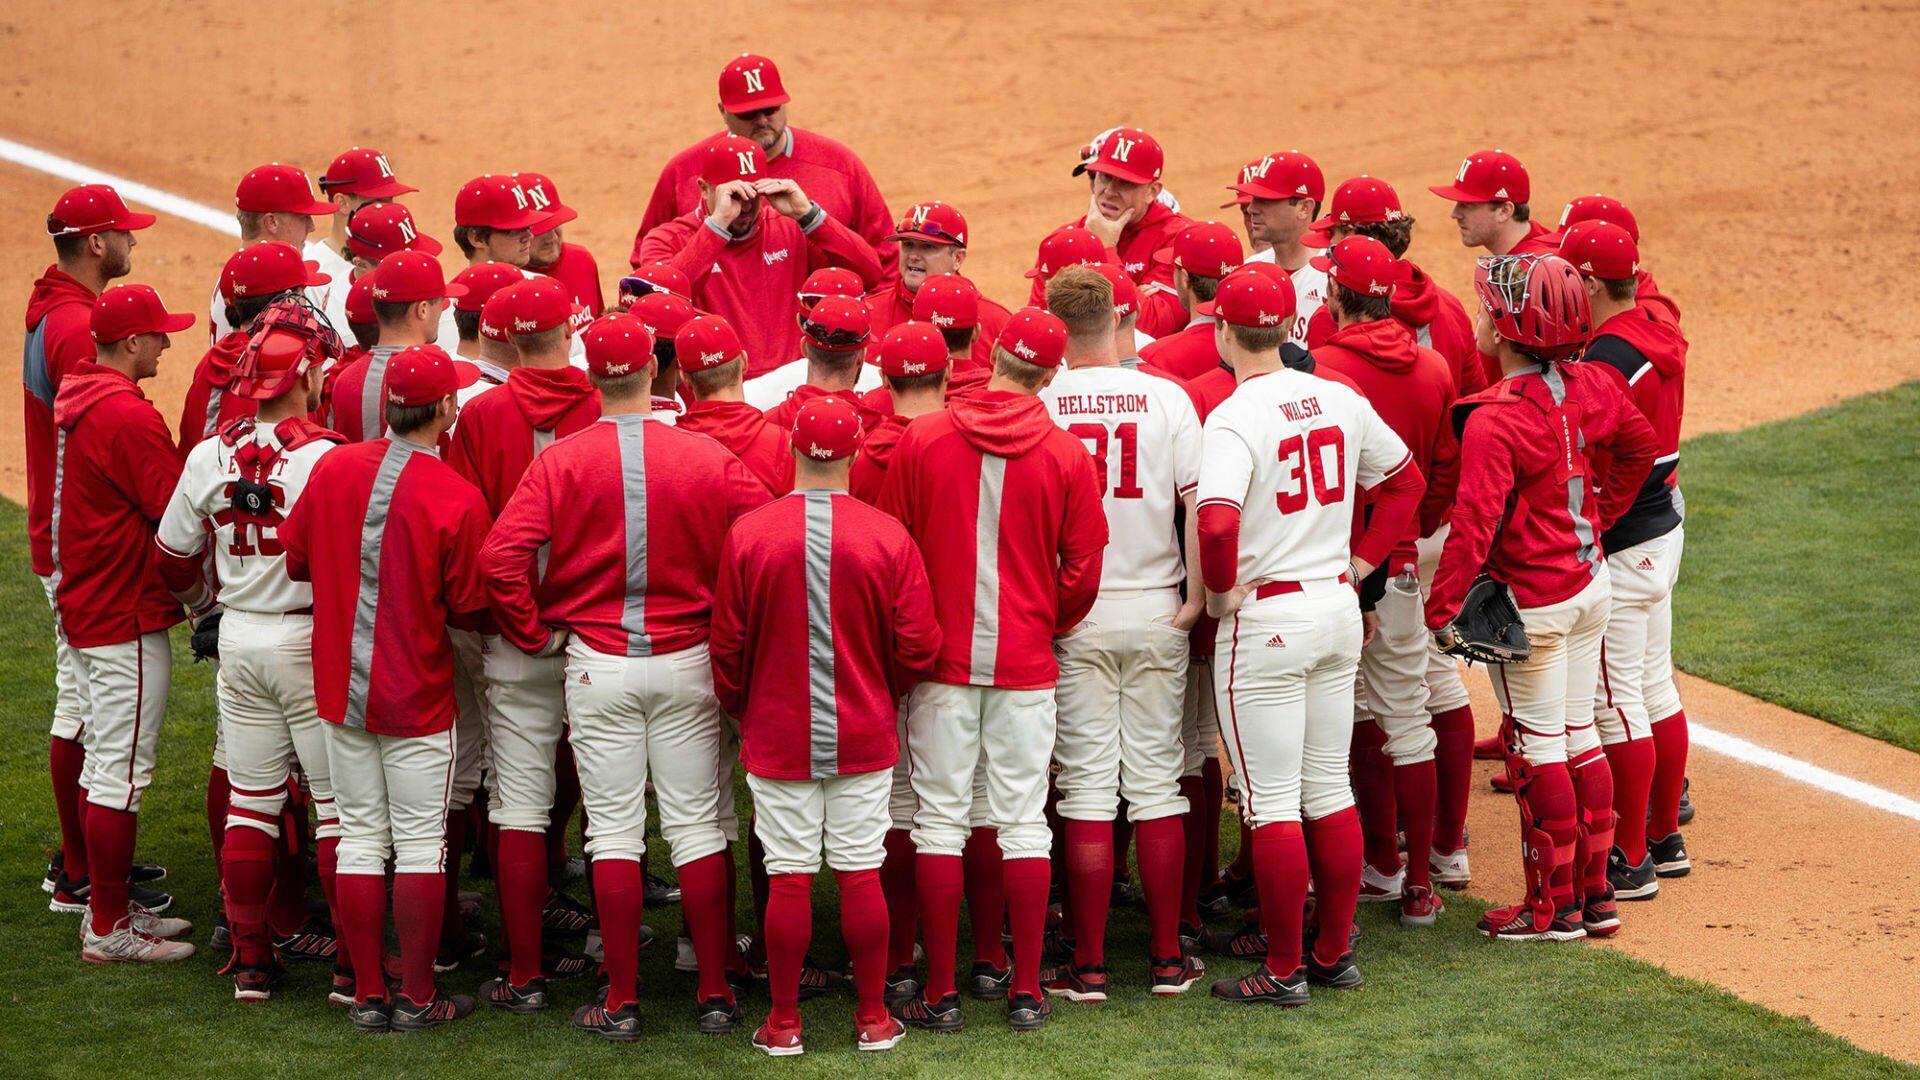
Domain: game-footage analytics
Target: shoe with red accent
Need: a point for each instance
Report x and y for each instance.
(1086, 983)
(1523, 922)
(411, 1015)
(1419, 906)
(1249, 942)
(882, 1034)
(1600, 915)
(127, 943)
(942, 1016)
(521, 1000)
(1028, 1013)
(253, 982)
(1502, 783)
(565, 915)
(1450, 869)
(459, 950)
(1174, 976)
(620, 1025)
(1263, 987)
(816, 980)
(782, 1043)
(718, 1016)
(1491, 748)
(314, 940)
(989, 983)
(1379, 888)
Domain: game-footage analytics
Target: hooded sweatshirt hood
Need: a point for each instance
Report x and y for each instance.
(50, 290)
(1385, 343)
(1001, 422)
(221, 358)
(1415, 301)
(545, 395)
(1658, 340)
(733, 423)
(88, 385)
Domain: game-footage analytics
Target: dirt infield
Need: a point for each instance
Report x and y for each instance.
(1765, 148)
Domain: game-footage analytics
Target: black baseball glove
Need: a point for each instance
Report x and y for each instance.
(1488, 628)
(206, 636)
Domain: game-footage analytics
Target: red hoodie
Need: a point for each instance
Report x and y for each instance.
(1650, 355)
(1438, 321)
(577, 270)
(869, 474)
(781, 415)
(761, 446)
(209, 408)
(1160, 310)
(116, 473)
(1650, 296)
(58, 339)
(1006, 509)
(500, 431)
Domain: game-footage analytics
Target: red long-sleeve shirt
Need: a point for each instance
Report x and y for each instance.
(822, 621)
(633, 513)
(763, 447)
(209, 408)
(58, 340)
(1006, 510)
(500, 431)
(1160, 310)
(869, 474)
(1438, 321)
(577, 269)
(1187, 354)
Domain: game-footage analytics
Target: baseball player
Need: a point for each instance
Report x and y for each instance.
(359, 177)
(1489, 196)
(1006, 508)
(409, 295)
(572, 264)
(492, 353)
(259, 274)
(822, 622)
(1068, 245)
(833, 336)
(713, 360)
(377, 230)
(1643, 548)
(1523, 515)
(1279, 197)
(753, 106)
(1410, 388)
(234, 491)
(932, 240)
(1283, 462)
(272, 202)
(663, 314)
(1123, 670)
(389, 537)
(627, 603)
(114, 470)
(914, 359)
(1606, 208)
(499, 435)
(750, 245)
(1125, 214)
(1200, 256)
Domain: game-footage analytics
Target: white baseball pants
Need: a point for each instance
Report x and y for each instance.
(844, 817)
(1636, 656)
(70, 704)
(264, 688)
(526, 718)
(1546, 696)
(127, 684)
(1393, 673)
(1446, 690)
(1123, 674)
(392, 793)
(957, 735)
(1199, 722)
(469, 695)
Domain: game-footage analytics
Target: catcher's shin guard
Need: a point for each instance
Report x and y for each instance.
(1547, 827)
(1593, 790)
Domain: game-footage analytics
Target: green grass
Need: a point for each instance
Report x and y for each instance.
(1436, 1001)
(1799, 582)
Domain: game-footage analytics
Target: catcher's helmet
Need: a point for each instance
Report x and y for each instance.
(287, 339)
(1538, 302)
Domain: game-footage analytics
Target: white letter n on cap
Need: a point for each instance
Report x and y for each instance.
(754, 85)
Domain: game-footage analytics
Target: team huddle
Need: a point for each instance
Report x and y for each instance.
(977, 598)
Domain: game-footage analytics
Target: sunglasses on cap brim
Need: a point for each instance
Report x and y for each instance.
(911, 230)
(833, 339)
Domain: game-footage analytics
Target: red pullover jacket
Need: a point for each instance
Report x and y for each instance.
(893, 305)
(115, 473)
(876, 453)
(577, 270)
(633, 513)
(209, 408)
(1160, 310)
(360, 390)
(1528, 508)
(1006, 509)
(754, 281)
(822, 621)
(1650, 356)
(1438, 322)
(500, 431)
(761, 446)
(1187, 354)
(781, 415)
(58, 340)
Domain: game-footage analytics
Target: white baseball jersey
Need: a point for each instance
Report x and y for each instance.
(1309, 293)
(763, 392)
(331, 297)
(1144, 436)
(248, 561)
(1288, 449)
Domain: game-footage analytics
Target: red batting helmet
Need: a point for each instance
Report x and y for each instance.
(1538, 302)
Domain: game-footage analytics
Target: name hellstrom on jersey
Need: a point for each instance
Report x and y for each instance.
(1099, 404)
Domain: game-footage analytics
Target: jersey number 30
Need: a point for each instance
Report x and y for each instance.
(1128, 436)
(1315, 472)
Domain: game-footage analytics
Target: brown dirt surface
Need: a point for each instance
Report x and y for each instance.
(1765, 148)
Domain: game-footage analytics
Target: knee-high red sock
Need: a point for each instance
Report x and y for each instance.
(864, 924)
(1162, 845)
(1593, 789)
(735, 962)
(218, 792)
(1453, 768)
(520, 877)
(938, 885)
(1413, 792)
(110, 851)
(1213, 788)
(416, 919)
(1192, 848)
(363, 923)
(1279, 855)
(758, 881)
(1241, 867)
(1122, 840)
(1027, 882)
(703, 898)
(1669, 774)
(287, 904)
(246, 876)
(986, 896)
(453, 928)
(1632, 763)
(566, 796)
(619, 890)
(1089, 886)
(1373, 796)
(896, 883)
(788, 928)
(65, 759)
(1334, 851)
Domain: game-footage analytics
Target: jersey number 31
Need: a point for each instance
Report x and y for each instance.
(1128, 436)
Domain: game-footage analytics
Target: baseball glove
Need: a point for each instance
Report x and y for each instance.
(1488, 628)
(206, 637)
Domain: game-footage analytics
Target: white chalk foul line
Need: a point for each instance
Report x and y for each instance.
(133, 191)
(1794, 769)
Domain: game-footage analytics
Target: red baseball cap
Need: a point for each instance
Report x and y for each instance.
(617, 345)
(423, 374)
(1068, 245)
(408, 276)
(947, 302)
(495, 201)
(1600, 249)
(535, 305)
(545, 197)
(665, 278)
(827, 429)
(836, 324)
(493, 317)
(482, 280)
(912, 348)
(1126, 295)
(360, 301)
(1362, 200)
(1125, 154)
(271, 267)
(279, 189)
(1252, 296)
(663, 314)
(730, 157)
(1362, 264)
(126, 310)
(830, 281)
(706, 341)
(1289, 174)
(1600, 208)
(377, 230)
(1206, 248)
(932, 223)
(93, 208)
(365, 173)
(750, 83)
(1488, 176)
(225, 287)
(1036, 336)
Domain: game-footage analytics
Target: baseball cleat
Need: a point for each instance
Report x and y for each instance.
(1501, 783)
(1249, 942)
(1124, 893)
(1056, 945)
(1086, 983)
(1490, 748)
(782, 1043)
(222, 937)
(1449, 869)
(128, 944)
(1669, 854)
(565, 915)
(620, 1025)
(1520, 922)
(342, 990)
(1342, 974)
(882, 1034)
(1214, 907)
(1632, 882)
(718, 1016)
(374, 1017)
(816, 980)
(1686, 802)
(314, 940)
(253, 983)
(660, 891)
(1600, 916)
(1379, 888)
(148, 873)
(453, 953)
(1174, 976)
(525, 1000)
(1263, 987)
(988, 983)
(904, 983)
(561, 964)
(1028, 1013)
(570, 871)
(409, 1015)
(943, 1015)
(1241, 892)
(70, 898)
(1420, 906)
(1190, 937)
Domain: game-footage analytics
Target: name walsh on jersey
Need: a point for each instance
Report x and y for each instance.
(1099, 404)
(1304, 409)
